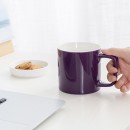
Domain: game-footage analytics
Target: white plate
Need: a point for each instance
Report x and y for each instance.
(29, 73)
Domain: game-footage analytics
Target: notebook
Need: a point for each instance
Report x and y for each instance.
(25, 112)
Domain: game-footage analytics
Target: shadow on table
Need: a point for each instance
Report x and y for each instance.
(104, 96)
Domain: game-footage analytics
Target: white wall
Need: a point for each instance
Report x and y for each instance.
(41, 25)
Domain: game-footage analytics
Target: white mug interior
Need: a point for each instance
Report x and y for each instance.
(79, 47)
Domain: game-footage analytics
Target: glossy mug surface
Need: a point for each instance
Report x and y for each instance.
(79, 67)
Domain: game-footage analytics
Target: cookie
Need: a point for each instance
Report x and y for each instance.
(24, 66)
(32, 67)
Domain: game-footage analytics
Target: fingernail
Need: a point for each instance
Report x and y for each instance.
(124, 89)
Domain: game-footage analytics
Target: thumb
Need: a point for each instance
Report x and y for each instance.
(113, 51)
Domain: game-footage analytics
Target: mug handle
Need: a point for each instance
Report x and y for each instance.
(115, 64)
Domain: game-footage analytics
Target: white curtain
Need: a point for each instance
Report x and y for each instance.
(41, 25)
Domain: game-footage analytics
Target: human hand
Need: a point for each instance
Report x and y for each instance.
(123, 83)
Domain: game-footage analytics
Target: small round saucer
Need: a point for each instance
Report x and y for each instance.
(28, 73)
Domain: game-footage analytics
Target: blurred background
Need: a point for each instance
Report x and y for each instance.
(42, 25)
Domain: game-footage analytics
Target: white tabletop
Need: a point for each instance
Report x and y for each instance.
(107, 109)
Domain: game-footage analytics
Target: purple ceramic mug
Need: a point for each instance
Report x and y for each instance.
(79, 67)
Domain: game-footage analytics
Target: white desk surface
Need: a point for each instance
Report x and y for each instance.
(107, 109)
